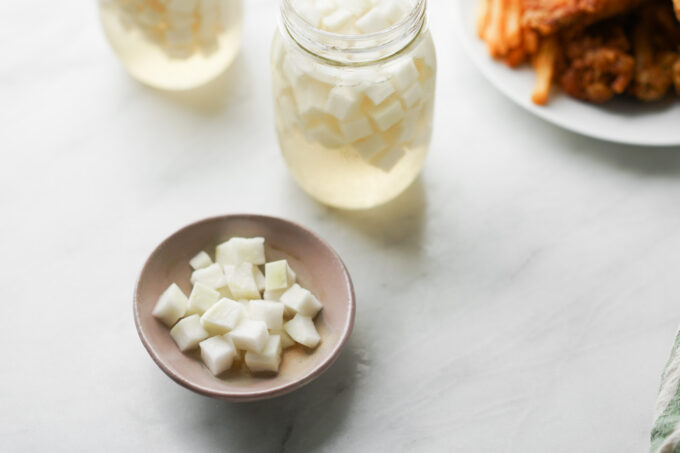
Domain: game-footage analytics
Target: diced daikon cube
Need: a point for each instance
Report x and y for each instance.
(326, 7)
(260, 280)
(268, 311)
(268, 359)
(388, 114)
(241, 250)
(250, 335)
(200, 261)
(335, 20)
(273, 294)
(309, 13)
(222, 317)
(390, 159)
(218, 354)
(211, 276)
(379, 91)
(356, 129)
(201, 299)
(392, 10)
(301, 301)
(357, 7)
(369, 147)
(242, 282)
(404, 73)
(278, 275)
(373, 21)
(171, 306)
(413, 95)
(342, 102)
(302, 330)
(286, 340)
(311, 98)
(188, 332)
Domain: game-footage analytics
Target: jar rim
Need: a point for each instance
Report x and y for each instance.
(352, 48)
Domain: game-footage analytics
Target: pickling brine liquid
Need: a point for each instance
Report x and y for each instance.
(173, 50)
(341, 178)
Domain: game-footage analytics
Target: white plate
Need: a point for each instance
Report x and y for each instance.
(622, 120)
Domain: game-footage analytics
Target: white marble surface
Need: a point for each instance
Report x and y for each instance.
(521, 296)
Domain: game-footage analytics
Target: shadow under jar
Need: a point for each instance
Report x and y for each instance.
(173, 44)
(354, 85)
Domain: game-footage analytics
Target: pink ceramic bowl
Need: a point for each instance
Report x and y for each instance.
(318, 268)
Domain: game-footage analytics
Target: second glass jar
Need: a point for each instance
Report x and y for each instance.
(354, 102)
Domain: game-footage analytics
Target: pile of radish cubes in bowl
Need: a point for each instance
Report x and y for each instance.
(242, 310)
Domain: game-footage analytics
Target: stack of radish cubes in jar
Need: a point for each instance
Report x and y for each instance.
(379, 111)
(235, 308)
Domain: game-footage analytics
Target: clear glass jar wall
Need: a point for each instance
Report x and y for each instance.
(354, 86)
(174, 44)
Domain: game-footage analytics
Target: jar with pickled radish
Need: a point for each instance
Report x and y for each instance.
(173, 44)
(354, 85)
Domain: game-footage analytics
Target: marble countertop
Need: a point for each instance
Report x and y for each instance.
(521, 296)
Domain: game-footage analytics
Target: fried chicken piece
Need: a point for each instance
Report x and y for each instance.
(598, 64)
(656, 37)
(550, 16)
(676, 5)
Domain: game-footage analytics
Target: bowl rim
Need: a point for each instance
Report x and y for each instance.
(272, 392)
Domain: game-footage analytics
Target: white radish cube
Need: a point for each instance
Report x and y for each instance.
(404, 74)
(379, 91)
(224, 316)
(388, 114)
(325, 7)
(373, 21)
(188, 333)
(171, 306)
(202, 298)
(293, 73)
(218, 354)
(211, 276)
(250, 335)
(278, 275)
(357, 7)
(413, 95)
(241, 250)
(369, 147)
(311, 98)
(270, 312)
(392, 10)
(182, 6)
(273, 294)
(343, 102)
(307, 10)
(242, 282)
(390, 159)
(336, 20)
(268, 359)
(259, 278)
(326, 135)
(356, 129)
(286, 340)
(302, 330)
(408, 126)
(301, 301)
(200, 261)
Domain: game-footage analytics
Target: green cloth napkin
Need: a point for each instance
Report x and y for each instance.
(666, 431)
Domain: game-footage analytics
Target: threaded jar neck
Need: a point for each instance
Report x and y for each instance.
(352, 49)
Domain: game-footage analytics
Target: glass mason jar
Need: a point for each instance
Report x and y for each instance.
(354, 102)
(173, 44)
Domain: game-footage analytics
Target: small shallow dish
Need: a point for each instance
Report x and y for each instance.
(318, 268)
(623, 121)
